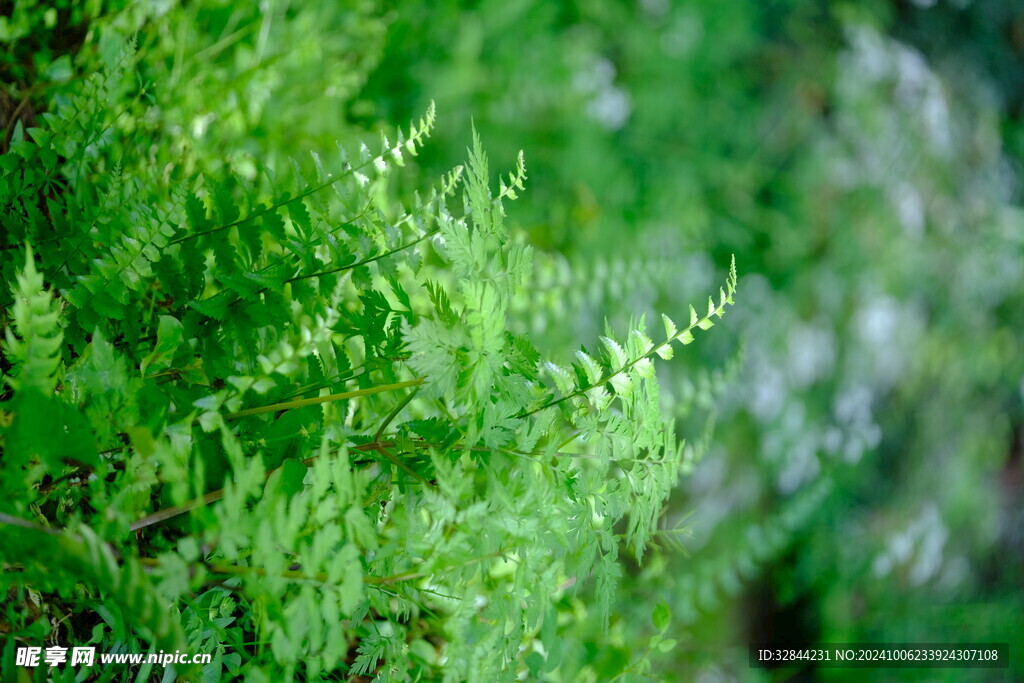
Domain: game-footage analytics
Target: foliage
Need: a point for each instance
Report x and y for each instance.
(290, 407)
(854, 435)
(863, 162)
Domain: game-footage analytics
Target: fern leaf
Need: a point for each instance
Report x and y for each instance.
(615, 352)
(33, 342)
(670, 327)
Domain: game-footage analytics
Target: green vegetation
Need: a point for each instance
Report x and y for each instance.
(290, 380)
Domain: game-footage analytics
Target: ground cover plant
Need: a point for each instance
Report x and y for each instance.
(863, 161)
(283, 419)
(850, 439)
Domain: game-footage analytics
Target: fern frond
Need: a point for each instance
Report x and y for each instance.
(467, 349)
(515, 179)
(378, 162)
(136, 241)
(620, 367)
(34, 338)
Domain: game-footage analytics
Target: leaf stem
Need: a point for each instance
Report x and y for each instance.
(303, 402)
(717, 310)
(365, 261)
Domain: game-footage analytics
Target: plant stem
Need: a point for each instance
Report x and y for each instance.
(303, 402)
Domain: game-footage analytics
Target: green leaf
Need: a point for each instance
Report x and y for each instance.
(299, 215)
(33, 342)
(293, 473)
(667, 645)
(216, 306)
(562, 378)
(644, 368)
(661, 616)
(593, 371)
(622, 383)
(534, 661)
(196, 212)
(615, 352)
(47, 428)
(347, 569)
(223, 203)
(169, 336)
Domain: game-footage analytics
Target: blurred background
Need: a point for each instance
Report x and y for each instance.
(856, 422)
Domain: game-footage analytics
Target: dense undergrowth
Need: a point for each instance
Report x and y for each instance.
(261, 404)
(863, 161)
(280, 417)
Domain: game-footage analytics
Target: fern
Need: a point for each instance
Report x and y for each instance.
(34, 336)
(307, 391)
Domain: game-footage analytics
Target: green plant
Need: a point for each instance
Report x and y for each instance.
(282, 417)
(871, 188)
